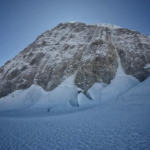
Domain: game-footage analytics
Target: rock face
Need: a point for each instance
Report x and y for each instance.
(89, 50)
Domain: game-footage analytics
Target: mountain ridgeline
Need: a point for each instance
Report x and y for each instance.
(90, 51)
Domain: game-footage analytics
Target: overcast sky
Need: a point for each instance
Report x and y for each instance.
(21, 21)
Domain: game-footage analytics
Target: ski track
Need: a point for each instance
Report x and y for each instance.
(109, 126)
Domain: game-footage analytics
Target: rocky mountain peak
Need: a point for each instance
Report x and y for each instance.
(90, 50)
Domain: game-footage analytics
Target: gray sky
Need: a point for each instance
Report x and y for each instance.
(21, 21)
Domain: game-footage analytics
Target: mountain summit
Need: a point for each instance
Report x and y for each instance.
(93, 52)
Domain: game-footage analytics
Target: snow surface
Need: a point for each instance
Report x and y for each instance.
(118, 120)
(108, 126)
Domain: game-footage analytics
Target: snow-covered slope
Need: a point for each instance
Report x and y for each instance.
(35, 98)
(139, 94)
(22, 99)
(117, 87)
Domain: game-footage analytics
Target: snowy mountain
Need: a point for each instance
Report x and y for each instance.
(92, 51)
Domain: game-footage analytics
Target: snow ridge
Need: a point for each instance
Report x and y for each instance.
(111, 26)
